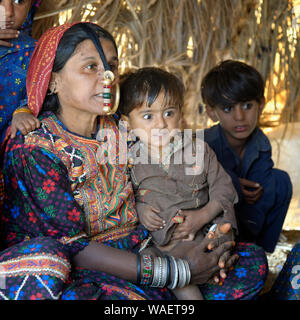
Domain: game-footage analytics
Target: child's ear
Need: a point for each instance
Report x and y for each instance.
(261, 106)
(211, 113)
(126, 119)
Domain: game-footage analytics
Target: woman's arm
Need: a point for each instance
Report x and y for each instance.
(203, 264)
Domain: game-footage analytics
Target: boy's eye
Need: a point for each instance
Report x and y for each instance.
(147, 116)
(19, 1)
(227, 109)
(168, 113)
(247, 105)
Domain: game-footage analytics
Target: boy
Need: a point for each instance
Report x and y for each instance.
(233, 93)
(183, 203)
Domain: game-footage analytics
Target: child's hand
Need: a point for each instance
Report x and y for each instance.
(25, 122)
(251, 190)
(186, 231)
(7, 34)
(149, 218)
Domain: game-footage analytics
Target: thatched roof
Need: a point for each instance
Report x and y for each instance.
(188, 37)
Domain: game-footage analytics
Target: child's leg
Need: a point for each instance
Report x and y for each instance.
(188, 293)
(275, 217)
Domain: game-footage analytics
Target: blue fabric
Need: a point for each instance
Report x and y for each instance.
(261, 222)
(13, 69)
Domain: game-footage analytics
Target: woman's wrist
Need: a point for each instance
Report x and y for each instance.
(161, 272)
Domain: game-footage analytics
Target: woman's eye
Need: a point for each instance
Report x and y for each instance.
(113, 67)
(92, 66)
(147, 116)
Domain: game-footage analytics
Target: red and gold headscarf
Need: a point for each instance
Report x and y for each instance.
(40, 66)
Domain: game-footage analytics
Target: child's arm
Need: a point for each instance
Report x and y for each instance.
(148, 217)
(7, 34)
(24, 121)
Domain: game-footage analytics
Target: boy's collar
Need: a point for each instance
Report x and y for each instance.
(257, 138)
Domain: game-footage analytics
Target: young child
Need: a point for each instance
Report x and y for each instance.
(233, 93)
(16, 47)
(186, 198)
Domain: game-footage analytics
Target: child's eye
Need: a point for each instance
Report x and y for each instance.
(168, 114)
(19, 1)
(227, 109)
(147, 116)
(247, 105)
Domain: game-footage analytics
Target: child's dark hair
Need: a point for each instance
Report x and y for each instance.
(145, 84)
(66, 48)
(231, 82)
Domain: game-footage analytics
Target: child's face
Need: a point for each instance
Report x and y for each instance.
(157, 125)
(238, 121)
(16, 12)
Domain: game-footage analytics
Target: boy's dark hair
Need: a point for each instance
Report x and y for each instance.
(232, 82)
(145, 84)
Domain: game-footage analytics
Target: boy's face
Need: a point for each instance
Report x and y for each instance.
(238, 121)
(16, 12)
(157, 125)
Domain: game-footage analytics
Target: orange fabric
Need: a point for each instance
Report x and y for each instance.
(40, 66)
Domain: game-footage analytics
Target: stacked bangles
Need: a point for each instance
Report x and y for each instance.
(163, 272)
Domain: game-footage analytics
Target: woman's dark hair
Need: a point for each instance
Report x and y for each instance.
(66, 48)
(231, 82)
(146, 84)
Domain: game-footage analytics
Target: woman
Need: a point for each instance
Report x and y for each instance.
(67, 203)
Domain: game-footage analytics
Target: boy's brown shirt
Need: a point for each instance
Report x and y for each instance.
(170, 189)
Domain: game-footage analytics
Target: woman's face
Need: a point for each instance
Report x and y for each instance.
(79, 84)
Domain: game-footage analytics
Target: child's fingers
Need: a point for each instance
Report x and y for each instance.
(13, 131)
(9, 34)
(249, 183)
(6, 44)
(37, 122)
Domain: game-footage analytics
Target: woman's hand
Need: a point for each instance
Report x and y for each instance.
(225, 232)
(25, 122)
(7, 34)
(149, 218)
(205, 264)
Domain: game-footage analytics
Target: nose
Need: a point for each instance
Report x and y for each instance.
(238, 113)
(160, 122)
(9, 8)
